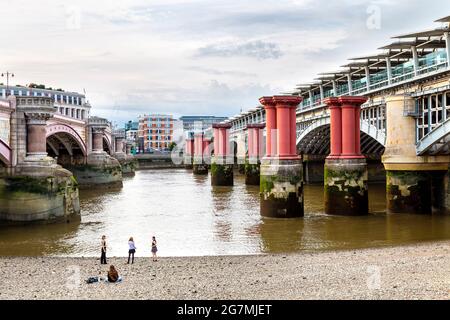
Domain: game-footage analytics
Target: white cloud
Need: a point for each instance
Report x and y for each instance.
(215, 57)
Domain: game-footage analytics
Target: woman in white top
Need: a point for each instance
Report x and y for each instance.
(131, 250)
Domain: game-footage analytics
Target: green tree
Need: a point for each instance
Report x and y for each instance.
(172, 146)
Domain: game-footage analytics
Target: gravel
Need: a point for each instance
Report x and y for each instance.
(419, 271)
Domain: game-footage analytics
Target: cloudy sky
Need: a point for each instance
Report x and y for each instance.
(198, 56)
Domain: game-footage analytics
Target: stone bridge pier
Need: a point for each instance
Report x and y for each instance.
(223, 161)
(346, 177)
(123, 154)
(101, 168)
(415, 184)
(35, 188)
(281, 176)
(255, 153)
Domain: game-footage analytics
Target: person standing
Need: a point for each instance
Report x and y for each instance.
(131, 250)
(103, 256)
(154, 249)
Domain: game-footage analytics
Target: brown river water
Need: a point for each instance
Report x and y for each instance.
(191, 218)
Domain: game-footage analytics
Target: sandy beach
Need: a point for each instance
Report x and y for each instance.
(419, 271)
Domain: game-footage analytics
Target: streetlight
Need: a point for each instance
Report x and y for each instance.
(7, 74)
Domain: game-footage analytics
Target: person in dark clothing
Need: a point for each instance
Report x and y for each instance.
(103, 256)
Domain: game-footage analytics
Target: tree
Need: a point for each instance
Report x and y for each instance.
(172, 146)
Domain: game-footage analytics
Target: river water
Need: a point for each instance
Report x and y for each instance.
(191, 218)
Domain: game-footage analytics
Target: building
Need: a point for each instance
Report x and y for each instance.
(155, 132)
(69, 104)
(200, 123)
(131, 131)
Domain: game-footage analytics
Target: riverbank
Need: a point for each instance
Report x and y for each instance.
(407, 272)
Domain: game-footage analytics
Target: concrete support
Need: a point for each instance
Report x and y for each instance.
(281, 176)
(447, 46)
(389, 69)
(346, 177)
(199, 165)
(367, 71)
(222, 164)
(102, 169)
(414, 184)
(350, 84)
(415, 60)
(255, 154)
(37, 189)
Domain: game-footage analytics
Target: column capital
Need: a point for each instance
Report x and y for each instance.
(332, 102)
(267, 102)
(222, 125)
(38, 118)
(98, 130)
(355, 101)
(287, 101)
(256, 126)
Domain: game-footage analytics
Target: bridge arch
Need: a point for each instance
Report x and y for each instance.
(107, 144)
(315, 139)
(5, 153)
(66, 145)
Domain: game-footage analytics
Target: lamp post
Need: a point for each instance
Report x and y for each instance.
(7, 74)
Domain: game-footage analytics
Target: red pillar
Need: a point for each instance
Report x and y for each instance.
(335, 127)
(286, 126)
(189, 146)
(250, 141)
(222, 139)
(216, 141)
(351, 143)
(254, 139)
(198, 144)
(271, 124)
(293, 122)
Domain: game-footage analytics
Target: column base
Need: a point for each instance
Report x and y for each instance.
(252, 174)
(415, 192)
(346, 187)
(47, 195)
(281, 188)
(200, 169)
(100, 170)
(221, 174)
(188, 162)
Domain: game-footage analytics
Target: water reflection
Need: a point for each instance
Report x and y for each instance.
(189, 217)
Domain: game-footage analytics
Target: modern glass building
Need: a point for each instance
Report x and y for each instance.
(200, 123)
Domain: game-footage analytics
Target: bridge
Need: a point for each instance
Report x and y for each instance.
(404, 123)
(49, 147)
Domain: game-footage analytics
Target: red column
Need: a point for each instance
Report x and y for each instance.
(222, 136)
(293, 122)
(286, 123)
(189, 146)
(271, 124)
(198, 144)
(351, 136)
(335, 127)
(216, 141)
(254, 138)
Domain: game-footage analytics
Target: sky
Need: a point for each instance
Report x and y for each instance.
(194, 57)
